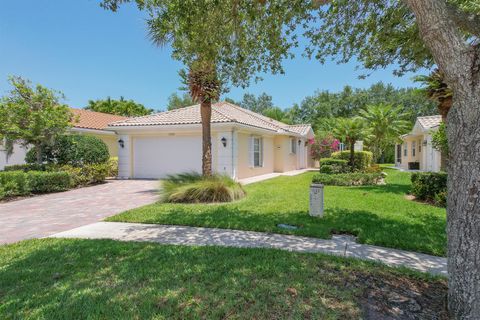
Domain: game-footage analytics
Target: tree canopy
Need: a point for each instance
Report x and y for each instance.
(122, 107)
(175, 101)
(32, 115)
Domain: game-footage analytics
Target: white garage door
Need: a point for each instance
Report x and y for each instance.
(157, 157)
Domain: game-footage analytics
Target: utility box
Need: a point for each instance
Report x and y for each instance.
(316, 200)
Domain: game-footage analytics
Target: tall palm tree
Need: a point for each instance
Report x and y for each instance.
(351, 130)
(386, 124)
(438, 90)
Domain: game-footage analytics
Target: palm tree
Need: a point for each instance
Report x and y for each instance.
(386, 124)
(438, 90)
(350, 130)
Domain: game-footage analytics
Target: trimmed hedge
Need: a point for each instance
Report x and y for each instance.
(333, 166)
(19, 183)
(28, 167)
(75, 150)
(86, 175)
(363, 159)
(430, 186)
(349, 179)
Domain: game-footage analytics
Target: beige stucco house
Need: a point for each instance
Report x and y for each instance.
(244, 143)
(85, 122)
(416, 151)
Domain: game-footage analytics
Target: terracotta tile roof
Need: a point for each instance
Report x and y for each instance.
(300, 128)
(222, 112)
(429, 122)
(93, 120)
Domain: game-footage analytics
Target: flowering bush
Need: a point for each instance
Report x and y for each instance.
(323, 146)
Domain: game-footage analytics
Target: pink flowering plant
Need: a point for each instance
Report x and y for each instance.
(323, 146)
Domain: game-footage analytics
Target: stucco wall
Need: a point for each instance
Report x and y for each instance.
(284, 159)
(418, 153)
(243, 165)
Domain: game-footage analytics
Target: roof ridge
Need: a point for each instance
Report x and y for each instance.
(223, 114)
(256, 115)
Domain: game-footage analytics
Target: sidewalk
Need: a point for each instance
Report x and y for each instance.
(274, 175)
(339, 245)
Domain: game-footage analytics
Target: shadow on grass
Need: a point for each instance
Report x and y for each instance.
(426, 234)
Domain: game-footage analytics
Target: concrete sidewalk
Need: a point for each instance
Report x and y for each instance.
(180, 235)
(274, 175)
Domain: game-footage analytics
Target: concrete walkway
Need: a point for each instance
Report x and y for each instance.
(47, 214)
(180, 235)
(274, 175)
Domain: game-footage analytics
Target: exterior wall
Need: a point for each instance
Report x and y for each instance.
(110, 140)
(226, 156)
(284, 159)
(428, 157)
(17, 157)
(244, 168)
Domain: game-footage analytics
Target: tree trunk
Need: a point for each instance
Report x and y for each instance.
(206, 114)
(460, 62)
(463, 217)
(352, 155)
(38, 153)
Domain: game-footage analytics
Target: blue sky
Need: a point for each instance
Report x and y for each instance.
(88, 53)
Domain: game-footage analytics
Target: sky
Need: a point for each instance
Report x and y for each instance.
(88, 53)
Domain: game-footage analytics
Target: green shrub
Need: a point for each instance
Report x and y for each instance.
(363, 159)
(349, 179)
(193, 188)
(86, 175)
(333, 166)
(374, 168)
(441, 199)
(113, 167)
(427, 185)
(75, 150)
(27, 167)
(14, 183)
(45, 182)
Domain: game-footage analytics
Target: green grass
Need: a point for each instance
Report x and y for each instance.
(104, 279)
(378, 215)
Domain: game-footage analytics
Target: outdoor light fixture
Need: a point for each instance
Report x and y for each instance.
(224, 141)
(299, 142)
(121, 143)
(424, 142)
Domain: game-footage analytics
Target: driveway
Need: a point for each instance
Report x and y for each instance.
(48, 214)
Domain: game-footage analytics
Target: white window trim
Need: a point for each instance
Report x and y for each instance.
(293, 146)
(414, 148)
(260, 151)
(405, 149)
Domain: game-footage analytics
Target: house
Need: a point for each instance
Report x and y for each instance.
(85, 122)
(244, 143)
(416, 151)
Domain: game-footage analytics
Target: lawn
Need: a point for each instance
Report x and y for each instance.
(100, 279)
(378, 215)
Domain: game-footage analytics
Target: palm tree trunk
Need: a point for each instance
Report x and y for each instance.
(206, 114)
(352, 155)
(38, 153)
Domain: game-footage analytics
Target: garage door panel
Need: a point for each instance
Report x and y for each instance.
(157, 157)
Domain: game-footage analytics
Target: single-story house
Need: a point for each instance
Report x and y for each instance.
(84, 122)
(244, 143)
(416, 151)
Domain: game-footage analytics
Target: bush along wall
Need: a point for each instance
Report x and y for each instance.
(363, 159)
(333, 166)
(430, 186)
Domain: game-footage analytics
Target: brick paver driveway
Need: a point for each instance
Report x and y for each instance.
(45, 215)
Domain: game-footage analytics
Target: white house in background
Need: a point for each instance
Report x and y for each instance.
(85, 122)
(416, 151)
(244, 143)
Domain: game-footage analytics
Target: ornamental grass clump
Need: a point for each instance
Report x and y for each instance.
(194, 188)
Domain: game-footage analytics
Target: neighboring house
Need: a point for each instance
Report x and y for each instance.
(416, 151)
(244, 143)
(85, 122)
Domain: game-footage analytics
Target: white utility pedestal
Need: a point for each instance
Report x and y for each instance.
(316, 200)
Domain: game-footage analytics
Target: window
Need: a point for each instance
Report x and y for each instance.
(405, 149)
(419, 145)
(293, 146)
(414, 148)
(257, 152)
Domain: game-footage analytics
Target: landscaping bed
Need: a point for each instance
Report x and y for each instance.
(378, 215)
(127, 280)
